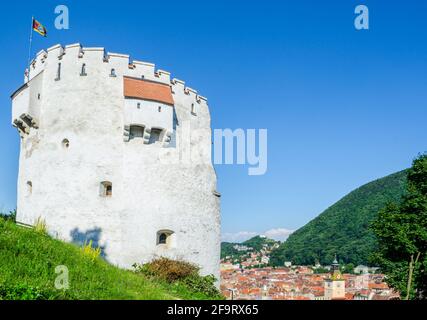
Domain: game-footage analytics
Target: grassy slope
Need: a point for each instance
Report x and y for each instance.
(29, 258)
(343, 228)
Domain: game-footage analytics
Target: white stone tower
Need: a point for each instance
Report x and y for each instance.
(116, 152)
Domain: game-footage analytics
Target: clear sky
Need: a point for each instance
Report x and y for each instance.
(342, 107)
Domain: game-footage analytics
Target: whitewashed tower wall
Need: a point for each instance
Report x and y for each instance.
(77, 130)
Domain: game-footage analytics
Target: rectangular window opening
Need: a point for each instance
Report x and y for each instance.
(155, 135)
(136, 132)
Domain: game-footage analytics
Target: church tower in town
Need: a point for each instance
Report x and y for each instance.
(335, 283)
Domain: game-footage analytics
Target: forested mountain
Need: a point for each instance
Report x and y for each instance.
(343, 228)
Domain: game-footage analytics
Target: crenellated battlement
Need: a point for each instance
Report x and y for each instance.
(88, 73)
(118, 63)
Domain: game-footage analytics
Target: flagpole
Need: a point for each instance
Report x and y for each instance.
(29, 49)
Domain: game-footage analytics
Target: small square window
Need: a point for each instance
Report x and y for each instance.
(136, 132)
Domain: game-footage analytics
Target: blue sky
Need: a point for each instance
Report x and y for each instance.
(342, 107)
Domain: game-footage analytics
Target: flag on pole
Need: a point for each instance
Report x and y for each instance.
(39, 28)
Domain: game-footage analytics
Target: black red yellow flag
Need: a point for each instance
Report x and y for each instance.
(39, 28)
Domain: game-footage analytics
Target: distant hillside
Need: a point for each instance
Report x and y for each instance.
(342, 229)
(259, 242)
(256, 244)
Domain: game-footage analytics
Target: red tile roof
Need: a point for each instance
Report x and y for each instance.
(147, 90)
(349, 296)
(381, 285)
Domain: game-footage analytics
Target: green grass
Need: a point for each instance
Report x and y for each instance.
(27, 271)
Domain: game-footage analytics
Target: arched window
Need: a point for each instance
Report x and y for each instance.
(113, 72)
(193, 109)
(29, 188)
(164, 237)
(106, 189)
(109, 190)
(65, 143)
(83, 72)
